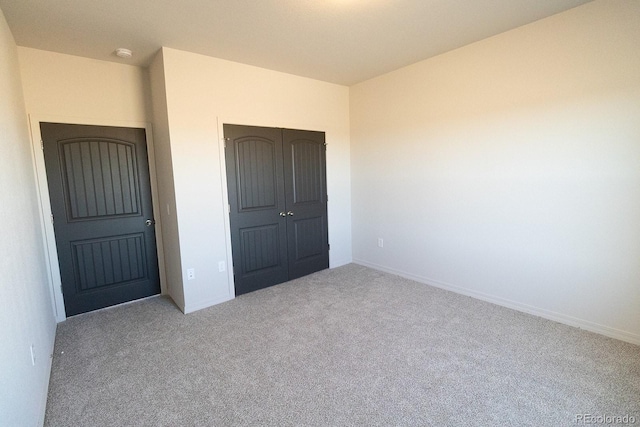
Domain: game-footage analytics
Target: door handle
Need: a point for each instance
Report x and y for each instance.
(283, 214)
(148, 222)
(290, 213)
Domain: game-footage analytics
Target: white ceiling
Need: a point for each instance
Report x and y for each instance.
(340, 41)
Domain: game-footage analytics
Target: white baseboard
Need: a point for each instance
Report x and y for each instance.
(540, 312)
(49, 361)
(339, 262)
(207, 303)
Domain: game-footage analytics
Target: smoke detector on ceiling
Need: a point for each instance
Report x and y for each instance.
(124, 53)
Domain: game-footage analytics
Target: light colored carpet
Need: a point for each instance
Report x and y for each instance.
(344, 347)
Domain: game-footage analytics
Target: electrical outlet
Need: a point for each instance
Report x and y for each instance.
(380, 242)
(33, 355)
(222, 266)
(191, 273)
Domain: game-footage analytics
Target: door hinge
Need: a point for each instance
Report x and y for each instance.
(42, 145)
(329, 246)
(51, 218)
(229, 207)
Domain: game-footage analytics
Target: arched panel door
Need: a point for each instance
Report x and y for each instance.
(100, 194)
(277, 204)
(306, 200)
(256, 201)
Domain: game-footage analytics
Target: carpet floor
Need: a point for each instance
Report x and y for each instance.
(345, 347)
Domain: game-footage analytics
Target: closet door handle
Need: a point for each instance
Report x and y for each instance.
(283, 214)
(290, 213)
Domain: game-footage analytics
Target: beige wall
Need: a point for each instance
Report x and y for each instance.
(26, 313)
(204, 92)
(166, 189)
(72, 86)
(185, 95)
(71, 89)
(509, 169)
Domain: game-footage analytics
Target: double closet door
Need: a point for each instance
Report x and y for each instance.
(277, 204)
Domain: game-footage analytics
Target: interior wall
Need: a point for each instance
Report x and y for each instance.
(72, 89)
(509, 169)
(70, 86)
(26, 312)
(166, 190)
(203, 93)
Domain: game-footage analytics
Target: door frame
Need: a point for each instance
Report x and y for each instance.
(44, 201)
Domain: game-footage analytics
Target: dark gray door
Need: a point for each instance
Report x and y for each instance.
(100, 195)
(306, 201)
(278, 204)
(257, 206)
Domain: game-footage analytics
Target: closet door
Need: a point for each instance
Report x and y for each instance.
(256, 206)
(306, 201)
(277, 204)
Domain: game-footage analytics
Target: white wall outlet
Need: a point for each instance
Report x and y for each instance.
(222, 266)
(191, 273)
(380, 242)
(33, 355)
